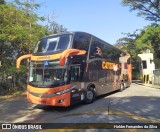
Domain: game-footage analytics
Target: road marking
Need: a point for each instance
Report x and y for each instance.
(132, 116)
(117, 112)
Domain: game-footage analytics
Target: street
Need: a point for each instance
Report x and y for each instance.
(136, 104)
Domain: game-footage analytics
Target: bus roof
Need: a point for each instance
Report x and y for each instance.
(81, 32)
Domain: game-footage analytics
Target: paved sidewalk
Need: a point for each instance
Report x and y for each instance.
(148, 85)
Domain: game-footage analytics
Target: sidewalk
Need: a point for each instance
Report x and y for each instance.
(148, 85)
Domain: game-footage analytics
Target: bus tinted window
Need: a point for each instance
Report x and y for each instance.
(96, 49)
(63, 42)
(75, 73)
(81, 41)
(101, 49)
(110, 53)
(53, 43)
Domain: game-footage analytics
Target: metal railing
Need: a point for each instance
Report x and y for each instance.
(11, 83)
(156, 77)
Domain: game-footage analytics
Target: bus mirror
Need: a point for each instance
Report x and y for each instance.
(70, 52)
(18, 62)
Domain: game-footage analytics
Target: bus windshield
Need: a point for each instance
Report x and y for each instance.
(53, 43)
(47, 74)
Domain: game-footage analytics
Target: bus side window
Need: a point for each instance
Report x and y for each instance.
(75, 73)
(96, 49)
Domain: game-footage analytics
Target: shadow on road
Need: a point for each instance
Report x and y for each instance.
(100, 111)
(65, 109)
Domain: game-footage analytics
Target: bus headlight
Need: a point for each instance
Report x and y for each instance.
(65, 91)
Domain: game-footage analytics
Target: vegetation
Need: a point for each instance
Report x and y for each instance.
(146, 38)
(149, 9)
(19, 31)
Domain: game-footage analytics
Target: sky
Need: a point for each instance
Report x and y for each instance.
(106, 19)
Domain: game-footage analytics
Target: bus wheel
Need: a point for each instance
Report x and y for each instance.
(90, 96)
(124, 85)
(121, 87)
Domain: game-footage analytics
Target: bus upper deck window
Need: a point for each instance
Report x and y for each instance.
(53, 43)
(96, 52)
(63, 42)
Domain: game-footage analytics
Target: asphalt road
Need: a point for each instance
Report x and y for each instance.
(136, 104)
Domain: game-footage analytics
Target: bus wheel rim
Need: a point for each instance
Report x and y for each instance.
(90, 95)
(122, 86)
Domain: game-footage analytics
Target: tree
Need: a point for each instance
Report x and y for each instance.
(147, 38)
(150, 9)
(19, 31)
(2, 2)
(16, 37)
(127, 43)
(53, 26)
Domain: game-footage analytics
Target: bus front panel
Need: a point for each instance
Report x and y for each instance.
(58, 96)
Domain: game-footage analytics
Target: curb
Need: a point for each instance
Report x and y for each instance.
(4, 97)
(148, 85)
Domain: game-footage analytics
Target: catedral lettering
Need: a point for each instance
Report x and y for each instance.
(43, 58)
(68, 68)
(109, 65)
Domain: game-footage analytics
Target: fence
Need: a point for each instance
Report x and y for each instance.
(157, 77)
(12, 83)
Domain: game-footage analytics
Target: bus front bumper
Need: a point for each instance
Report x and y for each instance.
(58, 100)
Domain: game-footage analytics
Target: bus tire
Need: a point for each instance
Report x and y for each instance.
(124, 85)
(90, 95)
(121, 87)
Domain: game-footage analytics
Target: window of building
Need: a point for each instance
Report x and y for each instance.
(144, 64)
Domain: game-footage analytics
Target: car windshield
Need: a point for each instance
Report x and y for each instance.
(53, 43)
(47, 74)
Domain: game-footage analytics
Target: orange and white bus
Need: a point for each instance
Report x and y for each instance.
(72, 67)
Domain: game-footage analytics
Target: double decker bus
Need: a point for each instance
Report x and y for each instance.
(73, 67)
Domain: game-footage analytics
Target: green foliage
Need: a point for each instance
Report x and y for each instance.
(150, 9)
(127, 43)
(147, 38)
(19, 31)
(2, 2)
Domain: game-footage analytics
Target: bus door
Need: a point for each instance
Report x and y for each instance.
(103, 84)
(75, 73)
(109, 81)
(77, 94)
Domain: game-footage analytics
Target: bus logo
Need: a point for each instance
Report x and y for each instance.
(46, 63)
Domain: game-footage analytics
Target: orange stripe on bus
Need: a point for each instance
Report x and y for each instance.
(46, 57)
(70, 52)
(18, 62)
